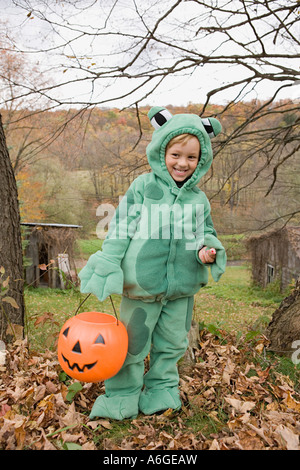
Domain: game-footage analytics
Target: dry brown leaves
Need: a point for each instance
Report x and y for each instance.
(241, 406)
(34, 411)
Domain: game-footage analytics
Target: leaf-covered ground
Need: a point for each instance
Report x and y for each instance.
(232, 399)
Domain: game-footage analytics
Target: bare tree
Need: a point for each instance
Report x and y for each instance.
(11, 261)
(121, 53)
(27, 134)
(141, 44)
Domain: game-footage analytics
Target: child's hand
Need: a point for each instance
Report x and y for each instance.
(207, 255)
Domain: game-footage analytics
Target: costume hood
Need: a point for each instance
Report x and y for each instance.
(168, 126)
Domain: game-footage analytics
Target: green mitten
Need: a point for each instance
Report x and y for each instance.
(101, 276)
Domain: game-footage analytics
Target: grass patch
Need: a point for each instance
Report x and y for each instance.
(85, 248)
(48, 309)
(234, 245)
(234, 303)
(116, 432)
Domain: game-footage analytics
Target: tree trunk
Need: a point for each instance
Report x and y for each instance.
(284, 327)
(11, 260)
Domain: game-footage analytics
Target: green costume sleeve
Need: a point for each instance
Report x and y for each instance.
(102, 274)
(211, 241)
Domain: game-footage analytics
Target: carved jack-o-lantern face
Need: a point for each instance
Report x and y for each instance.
(92, 346)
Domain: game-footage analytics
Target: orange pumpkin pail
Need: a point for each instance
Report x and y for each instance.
(92, 346)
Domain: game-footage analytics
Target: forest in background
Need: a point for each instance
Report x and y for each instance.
(68, 162)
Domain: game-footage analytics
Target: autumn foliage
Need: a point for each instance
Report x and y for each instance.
(68, 162)
(31, 196)
(232, 400)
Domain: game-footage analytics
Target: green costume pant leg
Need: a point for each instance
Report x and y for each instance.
(169, 343)
(165, 326)
(122, 392)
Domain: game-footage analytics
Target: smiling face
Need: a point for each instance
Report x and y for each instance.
(182, 157)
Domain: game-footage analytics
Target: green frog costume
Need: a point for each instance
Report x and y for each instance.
(150, 256)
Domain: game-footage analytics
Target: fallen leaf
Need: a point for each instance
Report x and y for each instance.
(228, 371)
(291, 402)
(239, 405)
(100, 422)
(290, 438)
(214, 445)
(72, 417)
(43, 267)
(4, 409)
(47, 316)
(250, 441)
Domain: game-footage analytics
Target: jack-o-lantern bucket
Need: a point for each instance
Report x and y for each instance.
(92, 346)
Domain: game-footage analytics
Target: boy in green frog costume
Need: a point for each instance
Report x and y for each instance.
(156, 254)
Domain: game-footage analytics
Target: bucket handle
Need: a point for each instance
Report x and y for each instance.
(114, 309)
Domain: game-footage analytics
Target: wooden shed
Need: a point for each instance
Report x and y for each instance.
(276, 255)
(50, 254)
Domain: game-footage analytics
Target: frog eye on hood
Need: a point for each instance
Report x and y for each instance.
(212, 126)
(158, 116)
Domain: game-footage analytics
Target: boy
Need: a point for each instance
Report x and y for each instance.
(156, 255)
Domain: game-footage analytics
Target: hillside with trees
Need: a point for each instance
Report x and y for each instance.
(253, 183)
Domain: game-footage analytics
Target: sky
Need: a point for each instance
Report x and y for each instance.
(30, 33)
